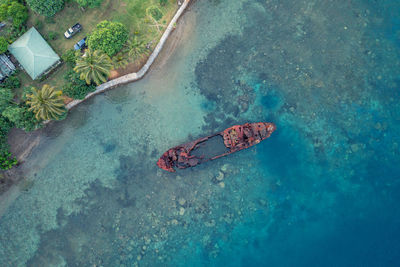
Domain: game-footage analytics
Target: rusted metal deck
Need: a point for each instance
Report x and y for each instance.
(234, 138)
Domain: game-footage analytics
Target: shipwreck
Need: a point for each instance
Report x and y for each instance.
(212, 147)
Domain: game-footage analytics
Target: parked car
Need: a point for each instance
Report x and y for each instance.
(73, 30)
(81, 44)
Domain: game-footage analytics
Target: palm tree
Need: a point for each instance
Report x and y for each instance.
(119, 61)
(94, 66)
(136, 48)
(46, 103)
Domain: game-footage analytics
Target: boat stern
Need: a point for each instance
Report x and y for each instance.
(164, 163)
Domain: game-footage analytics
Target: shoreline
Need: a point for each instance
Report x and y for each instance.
(135, 76)
(22, 144)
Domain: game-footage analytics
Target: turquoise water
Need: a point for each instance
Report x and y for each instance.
(322, 191)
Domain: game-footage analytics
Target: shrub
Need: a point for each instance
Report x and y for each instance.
(46, 7)
(6, 160)
(70, 57)
(11, 82)
(38, 24)
(6, 97)
(75, 87)
(29, 120)
(3, 45)
(163, 2)
(14, 33)
(154, 12)
(89, 3)
(108, 37)
(5, 126)
(52, 35)
(14, 114)
(21, 117)
(3, 12)
(27, 90)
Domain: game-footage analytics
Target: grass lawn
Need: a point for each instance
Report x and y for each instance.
(134, 14)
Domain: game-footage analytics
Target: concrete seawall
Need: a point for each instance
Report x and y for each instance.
(140, 74)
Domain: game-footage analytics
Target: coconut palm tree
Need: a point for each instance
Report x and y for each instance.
(136, 48)
(46, 103)
(94, 66)
(119, 61)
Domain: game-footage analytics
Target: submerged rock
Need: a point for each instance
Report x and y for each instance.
(262, 202)
(354, 147)
(181, 211)
(220, 176)
(225, 168)
(182, 201)
(210, 223)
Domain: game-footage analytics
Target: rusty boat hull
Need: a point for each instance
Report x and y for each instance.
(211, 147)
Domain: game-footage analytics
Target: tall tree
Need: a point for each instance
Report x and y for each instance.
(18, 13)
(14, 10)
(46, 103)
(108, 37)
(94, 66)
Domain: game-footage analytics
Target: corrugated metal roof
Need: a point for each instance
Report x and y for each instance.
(33, 53)
(6, 67)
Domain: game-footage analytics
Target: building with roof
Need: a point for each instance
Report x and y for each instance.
(34, 54)
(6, 67)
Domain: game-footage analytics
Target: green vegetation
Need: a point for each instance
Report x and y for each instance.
(46, 103)
(142, 23)
(13, 10)
(119, 61)
(154, 13)
(75, 87)
(3, 45)
(12, 114)
(21, 117)
(89, 3)
(94, 67)
(136, 48)
(15, 15)
(11, 82)
(6, 160)
(18, 13)
(52, 36)
(6, 97)
(70, 56)
(46, 8)
(108, 37)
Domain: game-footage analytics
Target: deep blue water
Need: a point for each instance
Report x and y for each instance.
(323, 190)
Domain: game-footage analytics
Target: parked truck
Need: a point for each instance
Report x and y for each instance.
(73, 30)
